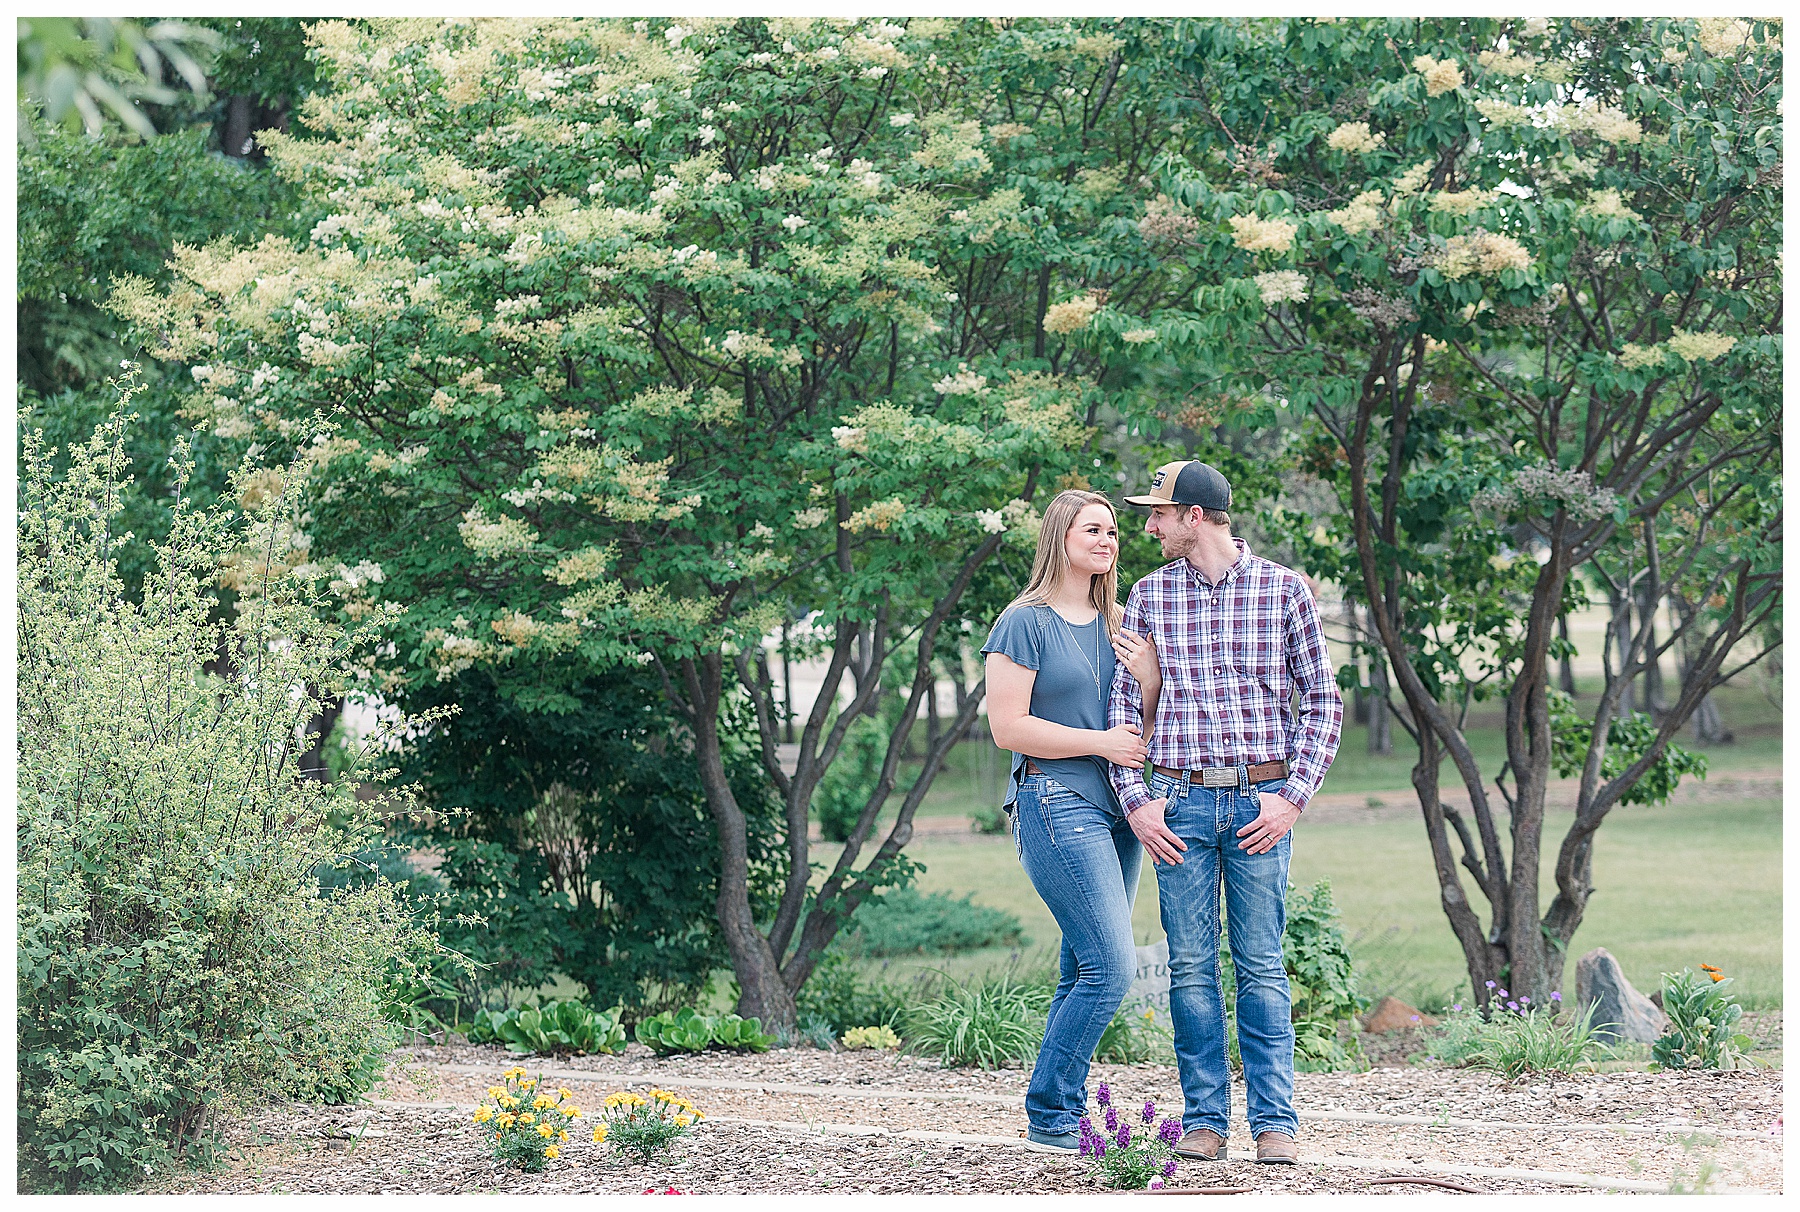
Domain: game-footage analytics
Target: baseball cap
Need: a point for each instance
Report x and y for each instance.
(1187, 483)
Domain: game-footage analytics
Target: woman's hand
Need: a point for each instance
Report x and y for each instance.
(1138, 654)
(1122, 746)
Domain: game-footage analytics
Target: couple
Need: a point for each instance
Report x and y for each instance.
(1194, 675)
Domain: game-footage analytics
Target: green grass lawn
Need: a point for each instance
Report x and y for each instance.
(1677, 886)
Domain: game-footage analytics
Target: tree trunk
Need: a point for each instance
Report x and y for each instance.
(1381, 716)
(1654, 702)
(1566, 670)
(312, 763)
(237, 139)
(762, 993)
(787, 688)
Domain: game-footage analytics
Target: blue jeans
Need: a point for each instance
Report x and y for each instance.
(1255, 886)
(1084, 861)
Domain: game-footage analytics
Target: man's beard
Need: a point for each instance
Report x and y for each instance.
(1178, 542)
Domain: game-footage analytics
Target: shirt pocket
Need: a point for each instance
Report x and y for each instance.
(1258, 666)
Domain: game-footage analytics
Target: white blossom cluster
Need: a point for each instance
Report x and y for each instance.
(1573, 491)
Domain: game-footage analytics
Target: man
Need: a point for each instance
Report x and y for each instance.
(1232, 768)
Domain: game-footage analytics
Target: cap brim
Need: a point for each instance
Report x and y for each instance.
(1148, 501)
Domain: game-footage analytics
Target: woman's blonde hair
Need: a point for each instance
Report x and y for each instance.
(1052, 560)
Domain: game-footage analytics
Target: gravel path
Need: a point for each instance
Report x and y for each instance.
(1714, 1129)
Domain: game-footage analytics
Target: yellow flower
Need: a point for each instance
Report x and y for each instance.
(563, 1092)
(495, 1091)
(505, 1121)
(515, 1071)
(527, 1118)
(546, 1131)
(542, 1103)
(508, 1101)
(483, 1114)
(572, 1112)
(599, 1133)
(682, 1121)
(552, 1152)
(527, 1083)
(563, 1137)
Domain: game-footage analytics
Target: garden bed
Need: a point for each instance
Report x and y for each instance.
(802, 1120)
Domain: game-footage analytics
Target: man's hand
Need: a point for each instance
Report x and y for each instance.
(1162, 845)
(1270, 826)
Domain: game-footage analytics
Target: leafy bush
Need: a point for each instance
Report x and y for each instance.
(1530, 1039)
(687, 1030)
(1703, 1016)
(838, 998)
(879, 1038)
(558, 1027)
(174, 947)
(990, 1024)
(851, 779)
(1125, 1160)
(908, 922)
(1628, 738)
(525, 1126)
(1131, 1037)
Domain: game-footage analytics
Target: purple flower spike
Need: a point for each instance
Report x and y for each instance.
(1504, 993)
(1104, 1095)
(1087, 1124)
(1149, 1112)
(1124, 1136)
(1087, 1145)
(1112, 1119)
(1512, 1005)
(1170, 1132)
(1555, 996)
(1099, 1146)
(1169, 1168)
(1490, 984)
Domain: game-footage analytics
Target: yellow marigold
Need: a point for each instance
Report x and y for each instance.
(1441, 75)
(505, 1120)
(527, 1083)
(495, 1091)
(599, 1134)
(563, 1136)
(546, 1131)
(563, 1092)
(526, 1117)
(515, 1071)
(682, 1121)
(483, 1114)
(542, 1103)
(509, 1102)
(552, 1152)
(572, 1112)
(1253, 234)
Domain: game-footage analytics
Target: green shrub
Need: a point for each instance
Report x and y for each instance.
(990, 1024)
(908, 922)
(687, 1030)
(879, 1038)
(851, 779)
(1512, 1042)
(175, 953)
(557, 1027)
(838, 998)
(1703, 1016)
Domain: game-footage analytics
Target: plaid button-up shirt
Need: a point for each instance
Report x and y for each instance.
(1232, 655)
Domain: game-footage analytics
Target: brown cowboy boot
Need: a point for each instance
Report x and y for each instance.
(1277, 1148)
(1202, 1144)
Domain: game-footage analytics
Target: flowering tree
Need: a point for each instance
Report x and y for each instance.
(642, 337)
(1523, 277)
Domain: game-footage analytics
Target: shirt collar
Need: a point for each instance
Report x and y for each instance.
(1231, 574)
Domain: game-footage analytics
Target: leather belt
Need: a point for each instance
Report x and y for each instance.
(1226, 776)
(1208, 776)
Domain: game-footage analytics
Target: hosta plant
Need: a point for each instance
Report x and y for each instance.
(1128, 1160)
(687, 1030)
(645, 1127)
(559, 1027)
(526, 1125)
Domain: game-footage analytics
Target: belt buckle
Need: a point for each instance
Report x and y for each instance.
(1219, 776)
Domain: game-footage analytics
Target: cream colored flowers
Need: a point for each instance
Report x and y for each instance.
(1254, 234)
(1281, 286)
(491, 538)
(1362, 214)
(1138, 336)
(1355, 138)
(1636, 357)
(1460, 202)
(1480, 253)
(1700, 346)
(879, 516)
(1606, 204)
(1071, 315)
(1441, 75)
(1502, 113)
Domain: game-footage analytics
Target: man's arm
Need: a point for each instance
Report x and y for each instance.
(1321, 707)
(1125, 707)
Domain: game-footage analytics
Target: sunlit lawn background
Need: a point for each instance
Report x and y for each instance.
(1677, 885)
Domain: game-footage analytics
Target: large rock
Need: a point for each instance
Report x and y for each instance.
(1620, 1011)
(1392, 1014)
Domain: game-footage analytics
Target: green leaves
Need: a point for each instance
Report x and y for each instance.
(687, 1030)
(555, 1028)
(1703, 1016)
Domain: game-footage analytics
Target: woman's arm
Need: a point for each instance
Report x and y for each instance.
(1014, 727)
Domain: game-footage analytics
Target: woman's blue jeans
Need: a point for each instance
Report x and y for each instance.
(1255, 887)
(1084, 861)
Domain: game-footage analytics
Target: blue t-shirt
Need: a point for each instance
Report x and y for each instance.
(1074, 671)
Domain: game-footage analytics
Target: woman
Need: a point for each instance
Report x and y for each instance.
(1050, 661)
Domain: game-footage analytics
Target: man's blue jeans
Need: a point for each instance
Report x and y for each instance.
(1084, 861)
(1255, 886)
